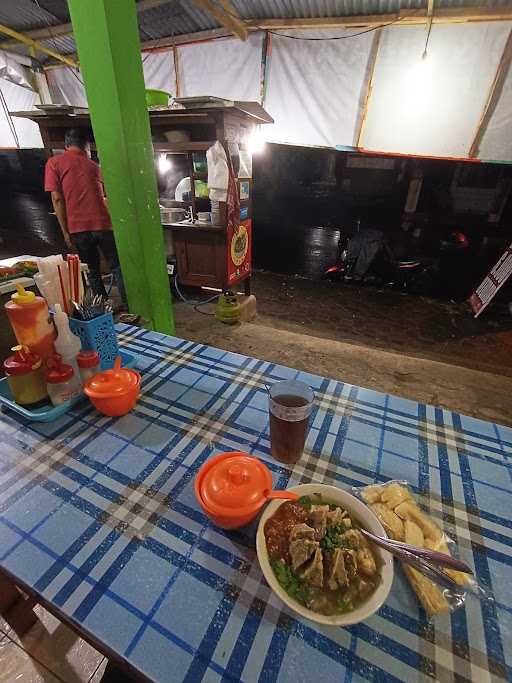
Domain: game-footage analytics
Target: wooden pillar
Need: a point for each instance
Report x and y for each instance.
(370, 71)
(493, 96)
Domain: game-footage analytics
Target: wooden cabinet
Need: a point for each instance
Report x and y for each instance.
(200, 256)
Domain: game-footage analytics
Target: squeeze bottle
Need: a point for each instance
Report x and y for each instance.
(25, 376)
(30, 321)
(67, 344)
(62, 383)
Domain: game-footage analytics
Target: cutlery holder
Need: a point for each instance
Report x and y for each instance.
(98, 335)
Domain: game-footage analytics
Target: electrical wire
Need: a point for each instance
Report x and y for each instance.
(287, 35)
(56, 47)
(352, 35)
(195, 304)
(9, 119)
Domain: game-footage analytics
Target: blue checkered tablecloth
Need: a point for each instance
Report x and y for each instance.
(98, 516)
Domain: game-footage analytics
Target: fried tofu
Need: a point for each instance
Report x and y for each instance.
(394, 494)
(409, 510)
(392, 524)
(413, 534)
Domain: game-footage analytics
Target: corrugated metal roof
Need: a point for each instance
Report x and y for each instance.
(262, 9)
(183, 16)
(58, 8)
(63, 44)
(173, 18)
(27, 14)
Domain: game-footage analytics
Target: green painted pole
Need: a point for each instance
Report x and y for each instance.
(107, 40)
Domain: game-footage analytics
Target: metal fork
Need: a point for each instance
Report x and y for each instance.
(428, 562)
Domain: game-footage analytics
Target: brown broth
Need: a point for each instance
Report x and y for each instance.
(322, 600)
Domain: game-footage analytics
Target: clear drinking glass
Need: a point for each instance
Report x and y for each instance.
(290, 405)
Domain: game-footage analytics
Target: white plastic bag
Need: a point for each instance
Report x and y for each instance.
(397, 510)
(218, 173)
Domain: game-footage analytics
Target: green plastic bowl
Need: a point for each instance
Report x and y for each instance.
(157, 97)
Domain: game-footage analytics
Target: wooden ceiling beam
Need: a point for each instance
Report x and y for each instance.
(185, 38)
(430, 14)
(35, 45)
(226, 15)
(404, 17)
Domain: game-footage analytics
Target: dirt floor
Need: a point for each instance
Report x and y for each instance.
(425, 350)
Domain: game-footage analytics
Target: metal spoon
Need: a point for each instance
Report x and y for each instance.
(426, 561)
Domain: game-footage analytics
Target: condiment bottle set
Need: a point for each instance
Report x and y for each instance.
(44, 364)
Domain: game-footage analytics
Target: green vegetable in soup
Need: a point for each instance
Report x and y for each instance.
(291, 583)
(308, 501)
(305, 501)
(332, 538)
(343, 604)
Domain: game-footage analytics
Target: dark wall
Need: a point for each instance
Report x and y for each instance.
(26, 223)
(304, 198)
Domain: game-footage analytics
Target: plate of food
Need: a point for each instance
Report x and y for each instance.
(315, 559)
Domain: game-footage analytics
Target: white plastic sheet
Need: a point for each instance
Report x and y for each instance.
(159, 71)
(226, 68)
(18, 99)
(432, 106)
(13, 71)
(66, 84)
(315, 88)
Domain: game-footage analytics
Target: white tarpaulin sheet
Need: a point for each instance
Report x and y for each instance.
(497, 140)
(315, 88)
(226, 68)
(13, 71)
(18, 99)
(159, 71)
(432, 106)
(66, 84)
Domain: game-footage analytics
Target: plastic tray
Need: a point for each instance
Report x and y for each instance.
(46, 412)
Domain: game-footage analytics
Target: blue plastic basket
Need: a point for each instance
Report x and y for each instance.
(98, 335)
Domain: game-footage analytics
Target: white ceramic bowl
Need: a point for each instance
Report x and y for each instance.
(367, 520)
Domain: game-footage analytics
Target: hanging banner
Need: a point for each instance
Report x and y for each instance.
(492, 283)
(239, 251)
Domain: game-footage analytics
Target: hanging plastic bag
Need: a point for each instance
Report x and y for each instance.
(218, 172)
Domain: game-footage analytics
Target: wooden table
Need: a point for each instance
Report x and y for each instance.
(99, 522)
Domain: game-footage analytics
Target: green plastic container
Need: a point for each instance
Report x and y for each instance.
(157, 98)
(199, 161)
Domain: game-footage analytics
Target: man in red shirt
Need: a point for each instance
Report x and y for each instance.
(74, 181)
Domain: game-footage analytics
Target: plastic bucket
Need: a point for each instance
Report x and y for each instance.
(156, 98)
